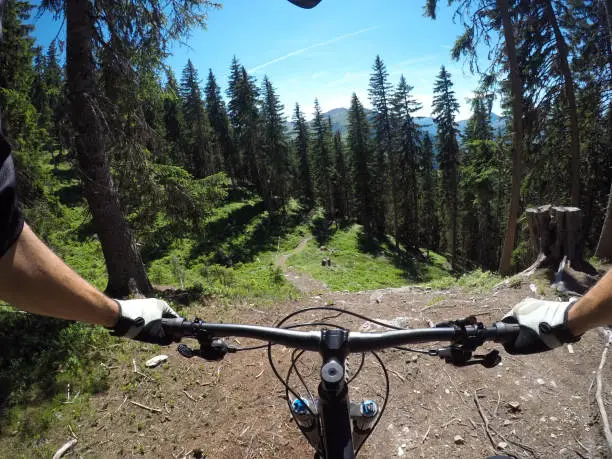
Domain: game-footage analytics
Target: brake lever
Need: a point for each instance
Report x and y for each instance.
(460, 357)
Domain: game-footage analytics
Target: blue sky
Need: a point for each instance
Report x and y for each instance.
(326, 52)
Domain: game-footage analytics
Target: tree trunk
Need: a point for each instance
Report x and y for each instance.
(574, 166)
(517, 137)
(604, 246)
(555, 233)
(126, 272)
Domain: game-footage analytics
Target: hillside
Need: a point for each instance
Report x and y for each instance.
(340, 122)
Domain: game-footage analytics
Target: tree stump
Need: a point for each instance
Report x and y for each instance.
(556, 236)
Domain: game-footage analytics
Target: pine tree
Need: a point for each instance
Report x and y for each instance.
(302, 146)
(445, 107)
(361, 161)
(195, 138)
(322, 162)
(405, 157)
(219, 122)
(380, 98)
(275, 166)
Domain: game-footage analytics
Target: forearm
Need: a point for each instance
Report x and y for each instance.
(594, 309)
(34, 279)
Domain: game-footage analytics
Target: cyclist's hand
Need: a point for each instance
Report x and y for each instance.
(141, 320)
(543, 326)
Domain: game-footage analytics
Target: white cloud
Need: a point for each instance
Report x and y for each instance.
(308, 48)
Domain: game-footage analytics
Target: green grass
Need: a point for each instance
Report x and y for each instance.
(354, 269)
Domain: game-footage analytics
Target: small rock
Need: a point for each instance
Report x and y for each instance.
(543, 419)
(502, 445)
(151, 363)
(379, 299)
(459, 440)
(570, 348)
(400, 452)
(562, 451)
(414, 358)
(507, 422)
(515, 407)
(540, 381)
(553, 419)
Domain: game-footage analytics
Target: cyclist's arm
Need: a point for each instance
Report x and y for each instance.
(34, 279)
(594, 309)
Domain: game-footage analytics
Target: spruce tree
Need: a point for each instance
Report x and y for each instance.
(173, 121)
(340, 179)
(302, 146)
(429, 227)
(361, 162)
(243, 111)
(322, 162)
(275, 166)
(445, 107)
(380, 97)
(405, 158)
(219, 122)
(195, 138)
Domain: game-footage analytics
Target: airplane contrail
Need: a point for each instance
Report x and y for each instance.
(307, 48)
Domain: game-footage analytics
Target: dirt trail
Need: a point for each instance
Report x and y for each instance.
(236, 408)
(304, 282)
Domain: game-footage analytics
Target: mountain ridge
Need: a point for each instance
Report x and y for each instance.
(339, 120)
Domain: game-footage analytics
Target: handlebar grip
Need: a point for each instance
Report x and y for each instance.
(177, 328)
(506, 332)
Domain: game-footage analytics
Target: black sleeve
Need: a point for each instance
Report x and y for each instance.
(11, 220)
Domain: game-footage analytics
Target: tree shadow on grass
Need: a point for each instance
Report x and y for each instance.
(263, 237)
(405, 260)
(40, 356)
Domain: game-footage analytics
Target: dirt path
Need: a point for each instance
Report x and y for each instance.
(236, 408)
(304, 282)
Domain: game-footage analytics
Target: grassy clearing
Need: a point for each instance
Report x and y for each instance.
(356, 266)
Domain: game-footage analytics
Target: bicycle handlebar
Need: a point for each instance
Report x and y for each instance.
(357, 342)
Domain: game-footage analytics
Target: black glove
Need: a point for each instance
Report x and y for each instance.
(543, 325)
(141, 320)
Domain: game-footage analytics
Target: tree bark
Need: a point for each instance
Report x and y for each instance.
(604, 246)
(517, 137)
(125, 269)
(574, 166)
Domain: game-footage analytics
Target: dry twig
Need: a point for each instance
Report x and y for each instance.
(397, 374)
(190, 397)
(426, 434)
(152, 410)
(485, 420)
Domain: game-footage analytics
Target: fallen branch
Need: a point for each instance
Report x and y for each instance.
(497, 406)
(398, 375)
(152, 410)
(600, 402)
(190, 397)
(486, 422)
(426, 433)
(65, 447)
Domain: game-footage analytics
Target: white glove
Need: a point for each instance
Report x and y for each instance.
(141, 320)
(543, 325)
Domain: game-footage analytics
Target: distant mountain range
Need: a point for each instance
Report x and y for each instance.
(339, 120)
